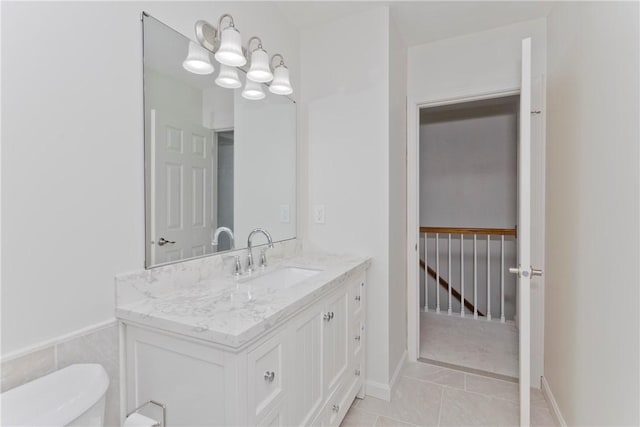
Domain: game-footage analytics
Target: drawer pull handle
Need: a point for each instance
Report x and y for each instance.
(357, 338)
(357, 297)
(357, 372)
(269, 376)
(335, 408)
(328, 316)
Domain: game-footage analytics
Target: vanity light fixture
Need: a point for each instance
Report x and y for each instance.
(198, 60)
(280, 84)
(260, 71)
(230, 50)
(226, 44)
(228, 77)
(253, 90)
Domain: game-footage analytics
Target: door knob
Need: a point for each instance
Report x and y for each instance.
(164, 241)
(525, 273)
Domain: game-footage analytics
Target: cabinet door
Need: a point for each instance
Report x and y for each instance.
(306, 395)
(189, 378)
(267, 376)
(336, 341)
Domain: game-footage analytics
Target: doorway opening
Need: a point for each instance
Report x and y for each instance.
(468, 230)
(224, 202)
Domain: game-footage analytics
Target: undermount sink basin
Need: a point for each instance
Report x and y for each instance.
(283, 278)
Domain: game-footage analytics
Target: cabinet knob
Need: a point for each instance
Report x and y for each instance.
(269, 376)
(357, 338)
(357, 297)
(357, 372)
(331, 315)
(335, 408)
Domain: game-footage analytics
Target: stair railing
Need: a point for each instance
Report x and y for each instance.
(471, 305)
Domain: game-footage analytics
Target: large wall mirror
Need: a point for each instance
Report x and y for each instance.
(216, 164)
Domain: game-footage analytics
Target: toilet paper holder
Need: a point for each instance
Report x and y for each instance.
(162, 406)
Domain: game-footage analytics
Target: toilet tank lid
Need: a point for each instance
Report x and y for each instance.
(55, 399)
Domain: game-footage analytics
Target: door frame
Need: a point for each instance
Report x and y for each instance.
(537, 220)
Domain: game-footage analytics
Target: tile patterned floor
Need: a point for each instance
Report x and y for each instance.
(428, 395)
(477, 344)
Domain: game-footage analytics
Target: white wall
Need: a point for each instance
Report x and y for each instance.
(72, 160)
(397, 197)
(468, 171)
(345, 115)
(474, 64)
(592, 211)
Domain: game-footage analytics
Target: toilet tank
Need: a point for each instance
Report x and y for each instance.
(71, 396)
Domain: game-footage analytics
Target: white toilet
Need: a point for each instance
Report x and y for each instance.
(73, 396)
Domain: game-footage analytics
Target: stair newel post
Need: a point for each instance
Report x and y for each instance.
(475, 277)
(488, 277)
(462, 274)
(426, 275)
(502, 278)
(449, 273)
(437, 273)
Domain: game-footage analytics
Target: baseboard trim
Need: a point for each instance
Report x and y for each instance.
(381, 390)
(378, 390)
(396, 372)
(551, 400)
(58, 340)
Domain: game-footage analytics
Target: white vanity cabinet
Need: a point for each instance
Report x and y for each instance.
(304, 371)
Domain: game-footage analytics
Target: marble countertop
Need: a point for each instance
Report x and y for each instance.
(231, 312)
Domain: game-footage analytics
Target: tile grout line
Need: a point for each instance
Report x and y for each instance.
(476, 393)
(440, 407)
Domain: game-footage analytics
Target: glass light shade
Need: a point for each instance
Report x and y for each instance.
(230, 51)
(198, 60)
(228, 77)
(280, 84)
(260, 70)
(253, 90)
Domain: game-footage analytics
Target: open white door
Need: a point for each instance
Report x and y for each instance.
(524, 269)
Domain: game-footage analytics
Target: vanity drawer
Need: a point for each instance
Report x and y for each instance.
(266, 376)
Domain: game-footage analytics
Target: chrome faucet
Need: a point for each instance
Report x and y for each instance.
(263, 254)
(217, 234)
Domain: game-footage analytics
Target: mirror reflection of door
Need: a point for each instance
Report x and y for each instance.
(225, 187)
(182, 185)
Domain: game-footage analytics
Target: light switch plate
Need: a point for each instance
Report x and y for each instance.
(285, 215)
(318, 214)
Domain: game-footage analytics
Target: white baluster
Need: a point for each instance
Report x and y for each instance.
(461, 275)
(475, 279)
(437, 273)
(502, 278)
(449, 273)
(488, 277)
(426, 273)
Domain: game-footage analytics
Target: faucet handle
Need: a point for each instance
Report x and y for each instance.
(237, 266)
(263, 257)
